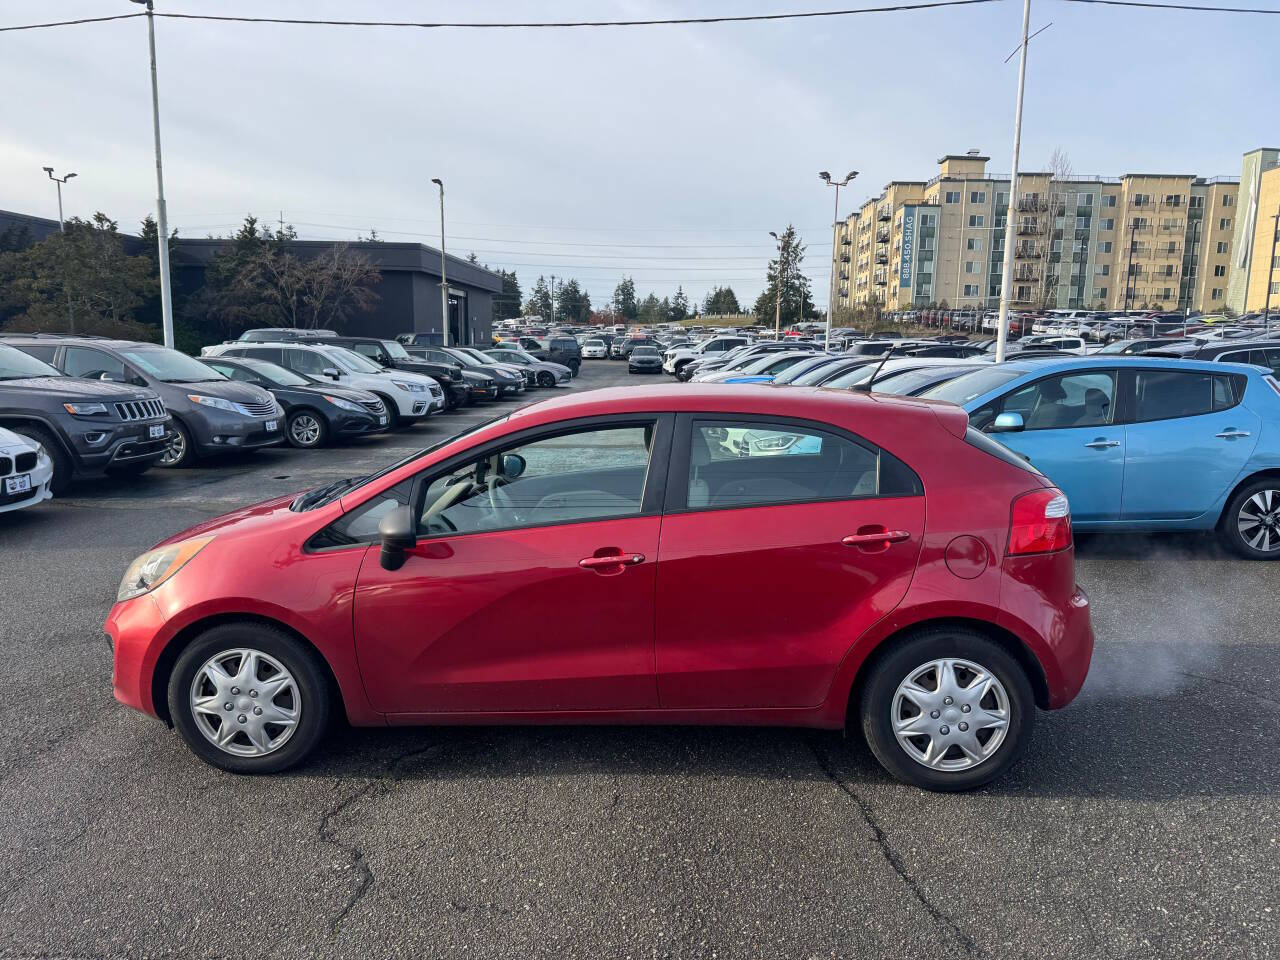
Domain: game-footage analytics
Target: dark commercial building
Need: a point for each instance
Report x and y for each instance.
(409, 294)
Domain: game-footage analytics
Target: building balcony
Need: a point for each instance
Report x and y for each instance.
(1027, 253)
(1026, 276)
(882, 236)
(880, 279)
(1028, 229)
(882, 258)
(844, 258)
(844, 276)
(1032, 203)
(845, 241)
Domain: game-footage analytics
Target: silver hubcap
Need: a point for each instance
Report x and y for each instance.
(305, 430)
(245, 702)
(176, 448)
(950, 714)
(1259, 521)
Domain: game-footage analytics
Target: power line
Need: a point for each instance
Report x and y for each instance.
(561, 24)
(1175, 6)
(71, 23)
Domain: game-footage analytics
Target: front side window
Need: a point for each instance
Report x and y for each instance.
(93, 365)
(747, 463)
(1166, 394)
(308, 362)
(1072, 400)
(586, 475)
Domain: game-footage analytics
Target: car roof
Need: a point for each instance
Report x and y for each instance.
(1065, 364)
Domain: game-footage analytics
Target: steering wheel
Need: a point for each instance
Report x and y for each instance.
(499, 501)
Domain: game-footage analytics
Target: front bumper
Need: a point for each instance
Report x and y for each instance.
(40, 489)
(217, 431)
(100, 446)
(353, 424)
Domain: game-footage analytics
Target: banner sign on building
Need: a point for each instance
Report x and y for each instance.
(908, 247)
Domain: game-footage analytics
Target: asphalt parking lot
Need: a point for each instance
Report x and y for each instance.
(1143, 821)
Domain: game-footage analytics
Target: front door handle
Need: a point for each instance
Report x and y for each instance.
(1102, 444)
(612, 560)
(1231, 433)
(872, 539)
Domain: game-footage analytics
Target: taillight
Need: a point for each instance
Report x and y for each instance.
(1041, 522)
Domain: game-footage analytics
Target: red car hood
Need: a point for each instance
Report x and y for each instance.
(246, 517)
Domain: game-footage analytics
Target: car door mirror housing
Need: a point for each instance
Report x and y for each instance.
(398, 533)
(512, 465)
(333, 373)
(1008, 423)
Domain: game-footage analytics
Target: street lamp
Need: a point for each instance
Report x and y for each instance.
(835, 235)
(777, 316)
(162, 217)
(444, 283)
(62, 224)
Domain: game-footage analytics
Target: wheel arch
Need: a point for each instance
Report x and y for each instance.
(1014, 645)
(10, 420)
(183, 638)
(1270, 473)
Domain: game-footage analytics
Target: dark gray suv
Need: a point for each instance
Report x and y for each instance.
(211, 414)
(85, 427)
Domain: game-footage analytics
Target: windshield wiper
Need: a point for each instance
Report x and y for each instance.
(322, 495)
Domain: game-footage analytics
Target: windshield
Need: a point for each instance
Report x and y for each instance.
(274, 373)
(170, 366)
(816, 376)
(351, 361)
(465, 358)
(854, 377)
(972, 385)
(907, 383)
(794, 374)
(395, 350)
(15, 365)
(593, 343)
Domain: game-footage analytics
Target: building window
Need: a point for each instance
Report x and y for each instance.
(1002, 199)
(973, 243)
(970, 290)
(1228, 200)
(1275, 287)
(1168, 293)
(1104, 246)
(1102, 292)
(1224, 223)
(1085, 200)
(1195, 203)
(1138, 223)
(1216, 294)
(1103, 269)
(972, 266)
(1108, 224)
(1224, 246)
(928, 219)
(1173, 200)
(953, 196)
(1220, 270)
(977, 196)
(976, 220)
(1141, 199)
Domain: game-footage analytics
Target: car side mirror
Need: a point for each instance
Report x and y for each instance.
(512, 465)
(1008, 423)
(398, 532)
(111, 376)
(333, 373)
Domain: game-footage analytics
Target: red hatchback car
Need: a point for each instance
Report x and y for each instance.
(726, 555)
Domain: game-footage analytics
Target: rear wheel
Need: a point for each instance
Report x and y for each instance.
(249, 698)
(947, 709)
(62, 466)
(1251, 523)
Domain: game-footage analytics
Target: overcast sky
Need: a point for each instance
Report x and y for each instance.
(667, 153)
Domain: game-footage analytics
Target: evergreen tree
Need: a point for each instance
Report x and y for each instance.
(624, 300)
(721, 300)
(679, 306)
(797, 303)
(573, 304)
(506, 305)
(539, 302)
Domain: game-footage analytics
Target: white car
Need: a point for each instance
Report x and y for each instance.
(594, 350)
(673, 360)
(25, 472)
(407, 396)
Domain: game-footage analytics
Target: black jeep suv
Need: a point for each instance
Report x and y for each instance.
(85, 426)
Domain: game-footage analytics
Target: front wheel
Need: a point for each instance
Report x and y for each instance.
(307, 429)
(947, 709)
(1250, 525)
(546, 378)
(179, 452)
(249, 698)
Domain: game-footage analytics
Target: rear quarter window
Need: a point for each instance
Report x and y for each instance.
(976, 438)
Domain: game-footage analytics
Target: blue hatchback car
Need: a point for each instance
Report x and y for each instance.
(1142, 443)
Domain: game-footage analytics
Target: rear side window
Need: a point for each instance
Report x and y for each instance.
(1167, 394)
(565, 344)
(306, 361)
(269, 354)
(752, 463)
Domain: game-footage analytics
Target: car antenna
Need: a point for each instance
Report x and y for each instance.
(866, 387)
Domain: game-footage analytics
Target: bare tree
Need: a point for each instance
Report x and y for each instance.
(1060, 173)
(324, 291)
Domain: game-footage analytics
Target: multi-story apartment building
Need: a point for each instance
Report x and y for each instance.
(1255, 271)
(1140, 240)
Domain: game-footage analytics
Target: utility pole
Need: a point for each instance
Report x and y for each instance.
(1271, 270)
(777, 315)
(444, 280)
(162, 218)
(553, 301)
(835, 236)
(1128, 270)
(62, 228)
(1192, 275)
(1002, 326)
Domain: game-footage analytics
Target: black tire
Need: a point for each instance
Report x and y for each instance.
(314, 701)
(181, 452)
(575, 366)
(546, 378)
(1244, 509)
(63, 468)
(393, 412)
(311, 425)
(875, 709)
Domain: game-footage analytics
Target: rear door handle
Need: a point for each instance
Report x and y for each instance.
(613, 560)
(884, 536)
(1231, 433)
(1101, 444)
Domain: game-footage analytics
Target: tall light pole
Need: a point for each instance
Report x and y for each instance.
(62, 227)
(835, 236)
(162, 218)
(777, 315)
(1006, 283)
(1271, 270)
(553, 303)
(62, 224)
(444, 281)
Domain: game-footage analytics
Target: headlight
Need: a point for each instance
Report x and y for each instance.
(216, 402)
(505, 374)
(84, 409)
(156, 566)
(42, 455)
(411, 387)
(344, 404)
